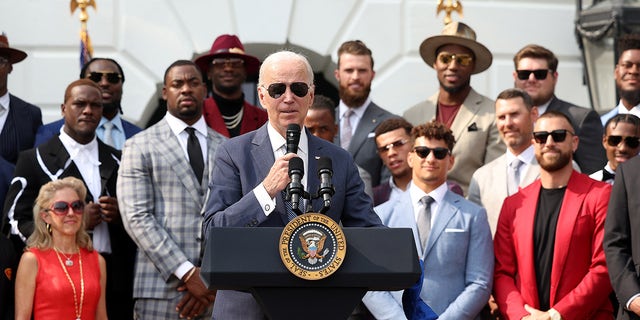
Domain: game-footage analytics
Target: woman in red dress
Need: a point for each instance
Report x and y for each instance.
(60, 276)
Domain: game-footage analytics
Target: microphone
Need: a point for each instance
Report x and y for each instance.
(295, 188)
(293, 138)
(325, 172)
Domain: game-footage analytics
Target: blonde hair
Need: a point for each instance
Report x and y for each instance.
(41, 238)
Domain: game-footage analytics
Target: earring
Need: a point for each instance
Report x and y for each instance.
(49, 228)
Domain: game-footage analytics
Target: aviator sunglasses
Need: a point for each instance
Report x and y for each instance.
(112, 77)
(276, 90)
(557, 135)
(395, 144)
(539, 74)
(631, 142)
(439, 152)
(461, 59)
(62, 207)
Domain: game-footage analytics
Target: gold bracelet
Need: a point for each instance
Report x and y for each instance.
(193, 270)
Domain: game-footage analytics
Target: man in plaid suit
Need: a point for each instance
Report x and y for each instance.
(162, 190)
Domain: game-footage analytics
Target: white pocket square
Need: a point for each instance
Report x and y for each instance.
(453, 230)
(371, 135)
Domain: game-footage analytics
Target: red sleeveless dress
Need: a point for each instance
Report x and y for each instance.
(53, 298)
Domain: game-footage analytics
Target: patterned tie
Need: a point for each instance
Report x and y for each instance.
(424, 220)
(287, 204)
(513, 175)
(108, 129)
(346, 131)
(195, 153)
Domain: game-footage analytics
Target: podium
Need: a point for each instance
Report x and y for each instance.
(247, 259)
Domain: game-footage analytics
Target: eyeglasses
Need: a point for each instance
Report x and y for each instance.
(222, 62)
(276, 90)
(461, 59)
(628, 65)
(112, 77)
(557, 135)
(395, 144)
(631, 142)
(62, 207)
(439, 152)
(539, 74)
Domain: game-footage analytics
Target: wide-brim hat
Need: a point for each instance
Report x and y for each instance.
(13, 55)
(228, 45)
(460, 34)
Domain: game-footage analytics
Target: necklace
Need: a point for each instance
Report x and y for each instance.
(233, 121)
(73, 287)
(68, 262)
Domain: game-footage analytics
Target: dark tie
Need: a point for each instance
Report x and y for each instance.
(424, 220)
(195, 153)
(606, 175)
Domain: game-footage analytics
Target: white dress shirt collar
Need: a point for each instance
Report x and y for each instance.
(621, 109)
(177, 125)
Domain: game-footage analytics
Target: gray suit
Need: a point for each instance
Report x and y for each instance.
(488, 186)
(474, 127)
(161, 202)
(363, 146)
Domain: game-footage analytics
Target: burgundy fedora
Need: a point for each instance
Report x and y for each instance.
(13, 55)
(228, 45)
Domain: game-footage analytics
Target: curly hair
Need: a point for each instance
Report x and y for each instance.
(629, 41)
(434, 130)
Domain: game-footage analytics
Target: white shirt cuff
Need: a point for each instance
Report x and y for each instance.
(554, 314)
(183, 269)
(267, 203)
(631, 300)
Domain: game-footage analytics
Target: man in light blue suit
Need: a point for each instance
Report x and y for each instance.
(454, 242)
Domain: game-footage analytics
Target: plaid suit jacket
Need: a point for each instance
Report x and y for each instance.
(160, 202)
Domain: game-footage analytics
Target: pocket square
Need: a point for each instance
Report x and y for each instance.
(453, 230)
(473, 127)
(371, 135)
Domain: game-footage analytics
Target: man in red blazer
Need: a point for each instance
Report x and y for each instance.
(550, 263)
(227, 66)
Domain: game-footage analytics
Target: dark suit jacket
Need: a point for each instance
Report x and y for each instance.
(49, 130)
(580, 285)
(19, 130)
(7, 253)
(363, 146)
(240, 164)
(252, 118)
(622, 235)
(30, 176)
(590, 155)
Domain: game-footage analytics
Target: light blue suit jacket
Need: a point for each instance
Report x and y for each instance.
(458, 258)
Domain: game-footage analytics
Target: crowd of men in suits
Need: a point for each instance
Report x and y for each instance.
(504, 217)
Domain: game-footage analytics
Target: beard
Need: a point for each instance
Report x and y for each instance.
(563, 159)
(354, 100)
(631, 96)
(111, 108)
(456, 89)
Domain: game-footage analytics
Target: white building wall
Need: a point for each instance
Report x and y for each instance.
(145, 36)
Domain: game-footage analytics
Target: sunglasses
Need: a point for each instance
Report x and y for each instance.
(62, 207)
(631, 142)
(539, 74)
(556, 135)
(395, 144)
(112, 77)
(276, 90)
(222, 62)
(439, 152)
(461, 59)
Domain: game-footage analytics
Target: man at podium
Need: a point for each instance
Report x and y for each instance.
(251, 171)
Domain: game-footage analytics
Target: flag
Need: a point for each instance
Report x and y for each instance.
(86, 50)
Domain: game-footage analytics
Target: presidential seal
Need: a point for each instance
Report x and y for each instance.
(312, 246)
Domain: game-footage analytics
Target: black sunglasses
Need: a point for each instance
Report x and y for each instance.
(112, 77)
(62, 207)
(556, 135)
(276, 90)
(395, 144)
(631, 142)
(439, 152)
(539, 74)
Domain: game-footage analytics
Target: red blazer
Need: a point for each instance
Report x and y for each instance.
(580, 284)
(253, 117)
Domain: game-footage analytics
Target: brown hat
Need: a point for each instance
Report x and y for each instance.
(228, 45)
(460, 34)
(13, 55)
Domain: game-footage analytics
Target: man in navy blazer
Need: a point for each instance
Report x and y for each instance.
(107, 74)
(19, 119)
(452, 234)
(250, 171)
